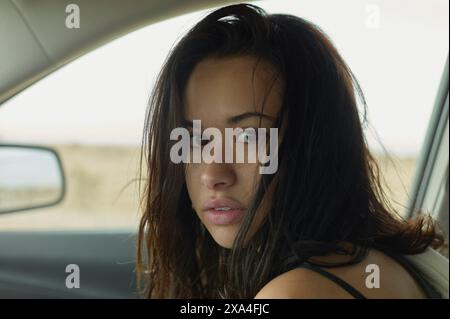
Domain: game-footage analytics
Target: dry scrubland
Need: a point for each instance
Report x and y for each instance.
(102, 190)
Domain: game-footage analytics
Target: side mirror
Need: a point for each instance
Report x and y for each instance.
(30, 177)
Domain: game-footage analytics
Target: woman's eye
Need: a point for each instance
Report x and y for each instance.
(248, 136)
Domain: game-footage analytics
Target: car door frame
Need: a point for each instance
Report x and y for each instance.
(430, 189)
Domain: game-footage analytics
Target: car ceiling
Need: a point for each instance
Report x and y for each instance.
(34, 40)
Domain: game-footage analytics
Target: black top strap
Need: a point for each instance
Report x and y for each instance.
(344, 285)
(427, 288)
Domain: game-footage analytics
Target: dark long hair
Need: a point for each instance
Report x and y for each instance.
(327, 187)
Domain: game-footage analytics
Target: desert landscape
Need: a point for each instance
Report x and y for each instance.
(103, 190)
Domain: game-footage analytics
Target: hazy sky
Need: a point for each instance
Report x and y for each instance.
(396, 49)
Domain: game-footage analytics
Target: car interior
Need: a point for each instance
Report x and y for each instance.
(108, 258)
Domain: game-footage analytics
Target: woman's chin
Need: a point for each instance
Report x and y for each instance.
(224, 235)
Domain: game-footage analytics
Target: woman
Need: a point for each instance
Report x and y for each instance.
(317, 227)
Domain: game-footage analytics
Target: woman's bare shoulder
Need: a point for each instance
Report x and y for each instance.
(301, 283)
(376, 276)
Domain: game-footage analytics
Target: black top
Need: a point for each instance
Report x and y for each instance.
(429, 290)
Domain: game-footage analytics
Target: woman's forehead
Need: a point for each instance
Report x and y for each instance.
(223, 87)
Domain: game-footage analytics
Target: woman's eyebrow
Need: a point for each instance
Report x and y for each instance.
(243, 116)
(235, 119)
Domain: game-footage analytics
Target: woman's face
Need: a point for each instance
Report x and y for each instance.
(228, 93)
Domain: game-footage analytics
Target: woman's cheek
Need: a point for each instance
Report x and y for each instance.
(248, 177)
(192, 177)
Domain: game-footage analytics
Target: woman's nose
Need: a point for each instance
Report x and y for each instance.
(217, 176)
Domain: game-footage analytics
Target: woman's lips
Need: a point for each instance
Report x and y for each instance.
(223, 211)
